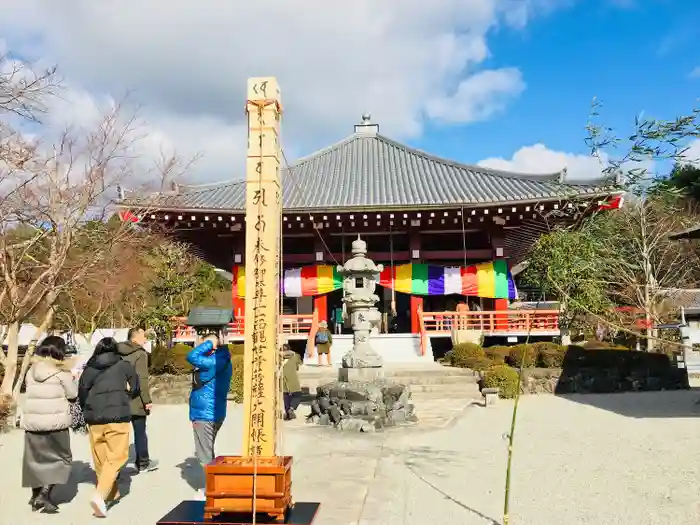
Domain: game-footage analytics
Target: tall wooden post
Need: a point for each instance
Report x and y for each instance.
(258, 481)
(262, 240)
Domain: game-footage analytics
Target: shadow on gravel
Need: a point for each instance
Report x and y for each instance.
(630, 383)
(81, 472)
(451, 498)
(664, 404)
(191, 471)
(427, 460)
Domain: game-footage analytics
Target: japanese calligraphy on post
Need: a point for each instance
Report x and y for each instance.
(263, 216)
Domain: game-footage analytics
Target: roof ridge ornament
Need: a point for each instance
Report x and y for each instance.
(366, 127)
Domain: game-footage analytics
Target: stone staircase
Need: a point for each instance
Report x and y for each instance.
(439, 393)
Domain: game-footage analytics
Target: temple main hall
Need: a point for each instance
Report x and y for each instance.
(447, 233)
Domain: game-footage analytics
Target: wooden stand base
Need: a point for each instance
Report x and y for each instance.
(192, 513)
(234, 483)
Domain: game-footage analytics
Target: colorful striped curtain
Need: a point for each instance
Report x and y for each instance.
(298, 282)
(489, 280)
(311, 280)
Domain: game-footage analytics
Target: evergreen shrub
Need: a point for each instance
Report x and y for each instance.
(503, 377)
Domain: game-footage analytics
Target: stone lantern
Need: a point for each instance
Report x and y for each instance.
(359, 283)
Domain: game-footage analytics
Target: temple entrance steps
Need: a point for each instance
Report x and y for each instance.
(439, 393)
(393, 348)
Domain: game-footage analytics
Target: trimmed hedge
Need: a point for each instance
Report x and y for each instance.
(503, 377)
(542, 354)
(550, 355)
(611, 370)
(236, 348)
(525, 355)
(236, 388)
(173, 361)
(5, 413)
(466, 355)
(497, 354)
(596, 367)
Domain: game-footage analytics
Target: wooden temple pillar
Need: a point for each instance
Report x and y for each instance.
(416, 300)
(321, 307)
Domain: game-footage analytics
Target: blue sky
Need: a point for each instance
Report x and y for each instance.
(413, 64)
(633, 59)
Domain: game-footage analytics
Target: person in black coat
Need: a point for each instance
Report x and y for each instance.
(106, 388)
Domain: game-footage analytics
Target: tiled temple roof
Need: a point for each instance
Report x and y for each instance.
(369, 171)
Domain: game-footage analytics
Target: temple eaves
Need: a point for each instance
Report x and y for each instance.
(370, 171)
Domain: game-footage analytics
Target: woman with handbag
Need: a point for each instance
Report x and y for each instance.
(46, 421)
(106, 388)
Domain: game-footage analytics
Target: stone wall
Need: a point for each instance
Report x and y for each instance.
(540, 380)
(172, 389)
(606, 371)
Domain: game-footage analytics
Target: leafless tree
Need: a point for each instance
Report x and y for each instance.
(54, 202)
(642, 262)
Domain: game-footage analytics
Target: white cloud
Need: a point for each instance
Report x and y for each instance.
(187, 63)
(692, 154)
(478, 97)
(695, 73)
(537, 159)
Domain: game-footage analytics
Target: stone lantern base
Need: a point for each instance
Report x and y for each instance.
(362, 406)
(359, 360)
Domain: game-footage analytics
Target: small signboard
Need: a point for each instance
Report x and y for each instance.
(512, 339)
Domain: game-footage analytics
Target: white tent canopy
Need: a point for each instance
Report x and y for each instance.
(27, 334)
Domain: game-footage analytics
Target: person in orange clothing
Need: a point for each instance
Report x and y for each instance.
(462, 321)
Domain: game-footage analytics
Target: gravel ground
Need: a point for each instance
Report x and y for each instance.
(603, 460)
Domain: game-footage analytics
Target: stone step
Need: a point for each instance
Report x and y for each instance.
(446, 389)
(421, 370)
(433, 382)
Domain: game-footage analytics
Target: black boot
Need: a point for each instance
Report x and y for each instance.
(44, 501)
(35, 495)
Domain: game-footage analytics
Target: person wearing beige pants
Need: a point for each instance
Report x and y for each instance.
(106, 388)
(110, 452)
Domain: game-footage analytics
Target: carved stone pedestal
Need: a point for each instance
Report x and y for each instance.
(363, 406)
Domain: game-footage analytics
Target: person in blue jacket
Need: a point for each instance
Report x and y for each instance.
(211, 379)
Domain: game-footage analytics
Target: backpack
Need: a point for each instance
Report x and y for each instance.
(321, 337)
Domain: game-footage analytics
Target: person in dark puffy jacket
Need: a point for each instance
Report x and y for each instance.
(211, 380)
(106, 388)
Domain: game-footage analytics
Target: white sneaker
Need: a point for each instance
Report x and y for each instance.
(99, 507)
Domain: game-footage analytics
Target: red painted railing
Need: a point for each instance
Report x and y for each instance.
(291, 325)
(431, 323)
(532, 321)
